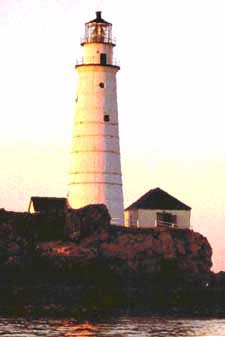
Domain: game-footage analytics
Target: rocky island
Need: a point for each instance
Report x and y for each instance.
(77, 263)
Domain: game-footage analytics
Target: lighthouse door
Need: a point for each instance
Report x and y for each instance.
(102, 58)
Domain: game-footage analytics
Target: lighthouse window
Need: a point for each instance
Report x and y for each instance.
(102, 85)
(106, 118)
(103, 59)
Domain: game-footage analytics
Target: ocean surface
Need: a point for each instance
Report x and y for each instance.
(117, 327)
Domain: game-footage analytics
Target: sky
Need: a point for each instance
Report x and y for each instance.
(170, 97)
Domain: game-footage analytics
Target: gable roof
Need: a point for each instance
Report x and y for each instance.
(44, 204)
(158, 199)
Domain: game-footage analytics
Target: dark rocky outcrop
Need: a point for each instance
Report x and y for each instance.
(89, 264)
(86, 220)
(87, 234)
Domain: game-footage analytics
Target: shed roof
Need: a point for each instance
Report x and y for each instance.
(43, 204)
(158, 199)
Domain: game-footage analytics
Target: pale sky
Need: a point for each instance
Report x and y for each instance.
(170, 95)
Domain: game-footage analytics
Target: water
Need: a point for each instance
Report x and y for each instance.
(121, 327)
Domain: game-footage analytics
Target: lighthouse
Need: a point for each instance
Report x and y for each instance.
(95, 173)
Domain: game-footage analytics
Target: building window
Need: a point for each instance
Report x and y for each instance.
(132, 221)
(102, 85)
(106, 118)
(166, 219)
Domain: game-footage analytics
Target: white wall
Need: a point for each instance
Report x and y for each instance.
(95, 172)
(92, 51)
(131, 218)
(147, 218)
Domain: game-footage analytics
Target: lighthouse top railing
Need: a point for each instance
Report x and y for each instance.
(94, 60)
(97, 39)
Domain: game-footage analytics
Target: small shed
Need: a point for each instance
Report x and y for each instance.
(48, 205)
(158, 208)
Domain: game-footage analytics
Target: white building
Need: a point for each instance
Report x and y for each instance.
(156, 208)
(95, 173)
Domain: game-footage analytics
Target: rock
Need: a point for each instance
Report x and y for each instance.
(180, 247)
(156, 246)
(93, 262)
(86, 220)
(93, 238)
(14, 249)
(167, 243)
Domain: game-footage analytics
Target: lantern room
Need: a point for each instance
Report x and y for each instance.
(98, 31)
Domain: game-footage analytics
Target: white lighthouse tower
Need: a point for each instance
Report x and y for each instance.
(95, 173)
